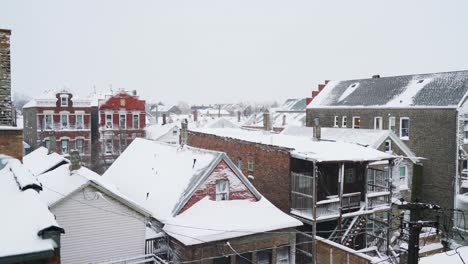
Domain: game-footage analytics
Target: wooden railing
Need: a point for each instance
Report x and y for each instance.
(331, 206)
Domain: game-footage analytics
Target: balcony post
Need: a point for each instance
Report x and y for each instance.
(314, 212)
(340, 196)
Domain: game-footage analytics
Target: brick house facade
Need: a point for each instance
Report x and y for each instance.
(122, 118)
(61, 122)
(426, 111)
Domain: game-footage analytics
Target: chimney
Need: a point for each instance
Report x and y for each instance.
(134, 92)
(52, 147)
(75, 160)
(184, 132)
(284, 120)
(195, 115)
(317, 130)
(266, 120)
(238, 116)
(376, 76)
(164, 119)
(219, 111)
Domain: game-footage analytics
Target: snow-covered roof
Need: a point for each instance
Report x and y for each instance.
(303, 147)
(221, 122)
(24, 215)
(452, 257)
(373, 138)
(446, 89)
(39, 162)
(213, 111)
(290, 118)
(162, 177)
(210, 220)
(49, 99)
(154, 132)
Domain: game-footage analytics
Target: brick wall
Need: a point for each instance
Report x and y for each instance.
(11, 142)
(432, 136)
(270, 164)
(206, 251)
(327, 252)
(6, 116)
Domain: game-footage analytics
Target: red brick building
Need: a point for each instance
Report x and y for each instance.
(59, 121)
(122, 118)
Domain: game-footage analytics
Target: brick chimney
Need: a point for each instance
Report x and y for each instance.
(75, 160)
(317, 129)
(195, 115)
(184, 132)
(266, 120)
(6, 107)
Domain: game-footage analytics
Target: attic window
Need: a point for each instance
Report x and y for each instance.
(420, 81)
(222, 190)
(353, 85)
(122, 102)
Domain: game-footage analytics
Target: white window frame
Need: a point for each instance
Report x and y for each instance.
(392, 123)
(355, 117)
(51, 121)
(61, 145)
(82, 121)
(125, 120)
(62, 97)
(465, 131)
(239, 163)
(250, 165)
(379, 119)
(405, 177)
(401, 128)
(283, 259)
(107, 150)
(344, 121)
(335, 121)
(138, 120)
(389, 142)
(111, 126)
(61, 121)
(464, 167)
(222, 190)
(81, 151)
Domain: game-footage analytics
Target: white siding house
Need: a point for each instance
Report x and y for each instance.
(94, 234)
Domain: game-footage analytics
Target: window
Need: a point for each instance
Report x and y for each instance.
(404, 128)
(122, 121)
(63, 100)
(64, 146)
(222, 260)
(64, 120)
(122, 102)
(79, 121)
(239, 163)
(344, 121)
(465, 169)
(335, 121)
(282, 255)
(174, 132)
(48, 123)
(245, 258)
(378, 122)
(108, 120)
(80, 145)
(108, 146)
(222, 190)
(403, 174)
(136, 120)
(391, 123)
(388, 145)
(465, 130)
(264, 257)
(356, 122)
(349, 175)
(250, 165)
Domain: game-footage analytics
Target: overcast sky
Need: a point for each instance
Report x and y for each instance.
(208, 51)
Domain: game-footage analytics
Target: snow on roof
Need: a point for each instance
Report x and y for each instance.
(162, 176)
(23, 176)
(154, 132)
(290, 118)
(25, 215)
(210, 220)
(213, 111)
(39, 162)
(303, 147)
(220, 123)
(446, 89)
(447, 257)
(49, 99)
(157, 175)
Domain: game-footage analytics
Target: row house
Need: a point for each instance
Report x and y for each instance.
(60, 121)
(426, 111)
(122, 118)
(329, 186)
(205, 205)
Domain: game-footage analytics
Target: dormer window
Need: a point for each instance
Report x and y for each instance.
(64, 100)
(222, 190)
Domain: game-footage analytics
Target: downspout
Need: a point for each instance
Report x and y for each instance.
(314, 212)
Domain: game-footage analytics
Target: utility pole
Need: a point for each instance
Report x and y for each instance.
(415, 228)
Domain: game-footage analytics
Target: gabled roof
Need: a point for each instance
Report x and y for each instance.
(24, 215)
(446, 89)
(163, 177)
(303, 147)
(156, 131)
(372, 138)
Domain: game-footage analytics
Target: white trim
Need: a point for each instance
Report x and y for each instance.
(133, 120)
(390, 124)
(401, 124)
(65, 113)
(82, 121)
(354, 117)
(389, 145)
(344, 121)
(111, 120)
(335, 121)
(380, 122)
(125, 122)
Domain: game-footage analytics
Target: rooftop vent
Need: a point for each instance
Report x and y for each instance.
(376, 76)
